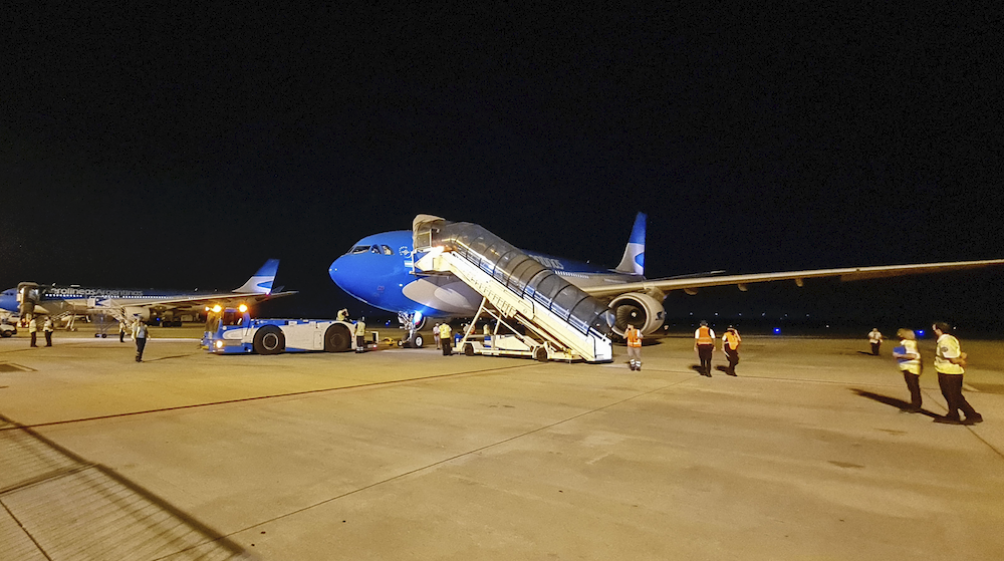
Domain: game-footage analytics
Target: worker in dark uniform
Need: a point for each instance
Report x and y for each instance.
(446, 338)
(949, 361)
(47, 330)
(730, 344)
(908, 359)
(122, 330)
(140, 334)
(704, 344)
(875, 339)
(361, 335)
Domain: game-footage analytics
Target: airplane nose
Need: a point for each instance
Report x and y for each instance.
(8, 302)
(337, 273)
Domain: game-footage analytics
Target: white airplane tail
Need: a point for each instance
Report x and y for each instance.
(261, 282)
(633, 262)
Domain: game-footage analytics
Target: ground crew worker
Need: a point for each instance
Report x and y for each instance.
(730, 344)
(47, 329)
(875, 338)
(33, 330)
(704, 344)
(122, 330)
(435, 335)
(445, 338)
(343, 315)
(140, 333)
(633, 336)
(361, 335)
(488, 335)
(908, 357)
(948, 361)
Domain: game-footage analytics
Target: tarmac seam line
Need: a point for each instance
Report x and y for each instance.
(454, 457)
(272, 396)
(26, 532)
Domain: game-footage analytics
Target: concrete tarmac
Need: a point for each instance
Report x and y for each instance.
(406, 454)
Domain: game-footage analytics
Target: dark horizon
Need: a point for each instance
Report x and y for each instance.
(172, 149)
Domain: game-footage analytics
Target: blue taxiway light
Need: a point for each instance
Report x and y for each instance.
(777, 331)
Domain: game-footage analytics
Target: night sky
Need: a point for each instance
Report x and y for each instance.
(180, 149)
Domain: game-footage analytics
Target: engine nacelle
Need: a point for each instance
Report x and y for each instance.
(137, 312)
(637, 309)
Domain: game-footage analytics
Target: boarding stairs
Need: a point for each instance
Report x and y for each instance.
(561, 322)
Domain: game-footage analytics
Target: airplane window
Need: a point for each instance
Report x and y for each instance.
(376, 249)
(387, 250)
(360, 249)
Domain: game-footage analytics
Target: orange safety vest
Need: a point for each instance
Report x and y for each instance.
(732, 340)
(704, 336)
(633, 337)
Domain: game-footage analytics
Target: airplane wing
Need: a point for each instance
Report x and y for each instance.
(847, 274)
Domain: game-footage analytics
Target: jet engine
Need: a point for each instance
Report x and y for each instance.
(637, 309)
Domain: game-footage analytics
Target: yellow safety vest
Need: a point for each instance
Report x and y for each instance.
(948, 347)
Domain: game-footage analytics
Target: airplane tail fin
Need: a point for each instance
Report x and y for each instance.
(261, 281)
(633, 262)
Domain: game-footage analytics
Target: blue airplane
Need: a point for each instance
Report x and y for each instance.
(32, 298)
(378, 270)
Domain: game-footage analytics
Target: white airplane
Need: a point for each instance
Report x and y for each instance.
(378, 270)
(54, 300)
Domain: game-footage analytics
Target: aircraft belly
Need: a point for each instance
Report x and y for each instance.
(446, 294)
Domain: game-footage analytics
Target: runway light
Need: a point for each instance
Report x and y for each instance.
(920, 332)
(777, 331)
(243, 308)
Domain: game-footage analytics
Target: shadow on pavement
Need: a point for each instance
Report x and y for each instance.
(56, 505)
(893, 401)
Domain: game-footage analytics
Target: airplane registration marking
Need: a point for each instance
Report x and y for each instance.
(547, 262)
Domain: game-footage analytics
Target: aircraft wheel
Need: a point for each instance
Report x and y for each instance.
(469, 349)
(417, 342)
(5, 334)
(337, 339)
(540, 354)
(269, 340)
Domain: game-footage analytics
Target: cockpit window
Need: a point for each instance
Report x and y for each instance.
(376, 249)
(359, 249)
(387, 250)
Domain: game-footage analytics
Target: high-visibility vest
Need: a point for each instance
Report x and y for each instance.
(704, 336)
(732, 340)
(947, 347)
(633, 337)
(444, 331)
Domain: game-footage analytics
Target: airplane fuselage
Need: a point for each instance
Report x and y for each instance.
(79, 299)
(378, 270)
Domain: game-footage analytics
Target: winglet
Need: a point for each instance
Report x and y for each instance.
(633, 262)
(261, 282)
